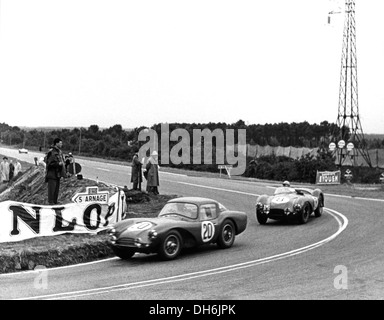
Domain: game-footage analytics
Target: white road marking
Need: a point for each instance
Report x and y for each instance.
(350, 197)
(174, 174)
(213, 188)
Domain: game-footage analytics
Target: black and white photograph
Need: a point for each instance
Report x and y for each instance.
(191, 157)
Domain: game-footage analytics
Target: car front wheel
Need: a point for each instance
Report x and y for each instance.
(171, 246)
(123, 253)
(319, 209)
(227, 235)
(305, 213)
(261, 217)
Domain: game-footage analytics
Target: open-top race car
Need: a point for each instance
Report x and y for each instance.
(290, 203)
(183, 222)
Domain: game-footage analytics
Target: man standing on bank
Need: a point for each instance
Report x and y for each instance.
(55, 170)
(153, 173)
(4, 170)
(136, 175)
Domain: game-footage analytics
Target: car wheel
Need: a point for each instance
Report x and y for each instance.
(171, 246)
(319, 209)
(123, 253)
(305, 213)
(226, 235)
(261, 218)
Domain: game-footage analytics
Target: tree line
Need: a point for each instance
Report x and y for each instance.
(119, 143)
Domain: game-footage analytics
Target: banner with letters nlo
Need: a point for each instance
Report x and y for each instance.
(20, 221)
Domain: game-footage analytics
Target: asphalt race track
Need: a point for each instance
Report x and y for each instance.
(337, 256)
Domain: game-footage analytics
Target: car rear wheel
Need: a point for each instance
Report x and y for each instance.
(305, 213)
(171, 246)
(123, 253)
(261, 218)
(226, 235)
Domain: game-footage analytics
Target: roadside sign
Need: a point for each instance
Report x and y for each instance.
(328, 177)
(348, 174)
(332, 146)
(226, 167)
(341, 144)
(91, 195)
(74, 168)
(350, 146)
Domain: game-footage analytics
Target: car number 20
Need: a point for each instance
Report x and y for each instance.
(207, 231)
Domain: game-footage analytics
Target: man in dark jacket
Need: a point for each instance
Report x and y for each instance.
(136, 175)
(55, 170)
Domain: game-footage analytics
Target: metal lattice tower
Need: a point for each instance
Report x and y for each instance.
(348, 120)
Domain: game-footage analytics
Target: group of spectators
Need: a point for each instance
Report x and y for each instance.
(9, 169)
(57, 167)
(150, 172)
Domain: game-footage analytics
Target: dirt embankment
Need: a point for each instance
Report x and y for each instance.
(64, 249)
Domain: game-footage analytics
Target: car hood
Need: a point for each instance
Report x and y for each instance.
(135, 227)
(282, 200)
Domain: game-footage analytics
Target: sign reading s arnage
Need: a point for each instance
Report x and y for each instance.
(20, 221)
(328, 177)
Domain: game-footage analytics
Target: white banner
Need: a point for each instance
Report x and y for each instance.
(328, 177)
(20, 221)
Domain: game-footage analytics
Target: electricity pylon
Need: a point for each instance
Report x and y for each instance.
(348, 119)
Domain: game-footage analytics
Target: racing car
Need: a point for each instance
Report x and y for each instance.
(182, 222)
(290, 203)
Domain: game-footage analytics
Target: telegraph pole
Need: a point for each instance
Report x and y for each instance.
(80, 142)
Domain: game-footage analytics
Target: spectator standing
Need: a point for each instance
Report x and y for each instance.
(136, 174)
(68, 161)
(11, 169)
(55, 170)
(17, 168)
(4, 169)
(153, 173)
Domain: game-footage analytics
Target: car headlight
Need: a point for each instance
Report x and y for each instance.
(112, 236)
(297, 207)
(138, 242)
(152, 234)
(266, 208)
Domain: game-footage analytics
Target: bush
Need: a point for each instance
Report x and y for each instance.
(284, 168)
(362, 174)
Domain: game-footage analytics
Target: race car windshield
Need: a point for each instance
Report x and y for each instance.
(281, 190)
(188, 210)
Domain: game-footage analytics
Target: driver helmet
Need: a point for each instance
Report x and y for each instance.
(286, 183)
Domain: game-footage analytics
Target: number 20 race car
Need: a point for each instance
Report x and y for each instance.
(290, 203)
(183, 222)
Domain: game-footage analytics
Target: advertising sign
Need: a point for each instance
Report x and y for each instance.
(20, 221)
(348, 175)
(328, 177)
